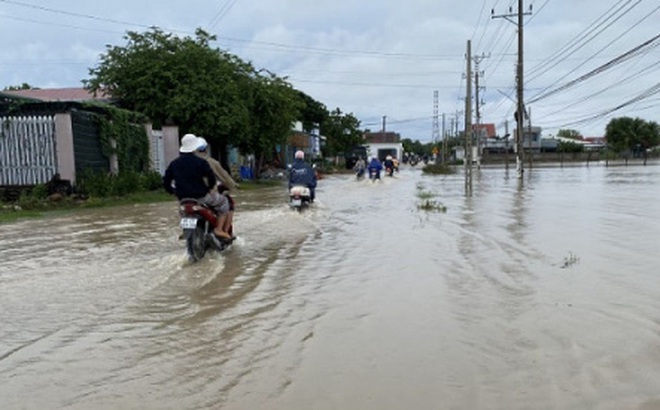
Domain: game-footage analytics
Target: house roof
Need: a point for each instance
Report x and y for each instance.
(382, 137)
(488, 128)
(57, 94)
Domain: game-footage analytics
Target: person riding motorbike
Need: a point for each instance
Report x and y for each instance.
(193, 178)
(359, 167)
(301, 173)
(376, 167)
(389, 165)
(225, 183)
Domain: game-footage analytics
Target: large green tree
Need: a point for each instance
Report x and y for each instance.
(313, 113)
(627, 134)
(274, 107)
(342, 131)
(182, 81)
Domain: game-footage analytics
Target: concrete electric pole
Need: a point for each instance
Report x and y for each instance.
(520, 111)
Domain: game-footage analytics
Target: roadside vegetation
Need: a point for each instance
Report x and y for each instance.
(96, 191)
(427, 200)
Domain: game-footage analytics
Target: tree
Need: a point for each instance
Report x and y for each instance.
(24, 86)
(570, 134)
(627, 134)
(274, 106)
(342, 132)
(313, 113)
(178, 80)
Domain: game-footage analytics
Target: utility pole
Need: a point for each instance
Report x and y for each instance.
(529, 141)
(435, 134)
(506, 145)
(478, 103)
(520, 112)
(468, 123)
(444, 141)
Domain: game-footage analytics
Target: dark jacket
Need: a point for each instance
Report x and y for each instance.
(192, 176)
(375, 164)
(301, 173)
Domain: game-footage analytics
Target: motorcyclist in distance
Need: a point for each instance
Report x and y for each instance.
(359, 167)
(376, 166)
(301, 173)
(389, 165)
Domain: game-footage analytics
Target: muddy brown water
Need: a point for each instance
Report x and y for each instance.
(544, 295)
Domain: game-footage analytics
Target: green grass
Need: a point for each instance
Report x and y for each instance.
(33, 208)
(427, 201)
(29, 206)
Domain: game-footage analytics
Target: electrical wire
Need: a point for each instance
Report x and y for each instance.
(652, 43)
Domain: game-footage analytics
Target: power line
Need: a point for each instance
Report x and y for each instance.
(612, 63)
(221, 13)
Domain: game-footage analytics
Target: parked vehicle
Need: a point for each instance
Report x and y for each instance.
(197, 222)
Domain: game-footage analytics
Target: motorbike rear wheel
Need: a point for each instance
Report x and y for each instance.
(196, 243)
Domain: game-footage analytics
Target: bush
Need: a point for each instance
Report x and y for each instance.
(436, 169)
(124, 183)
(151, 181)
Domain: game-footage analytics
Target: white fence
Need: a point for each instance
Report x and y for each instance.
(27, 150)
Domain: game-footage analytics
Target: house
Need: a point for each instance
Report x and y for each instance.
(44, 136)
(308, 142)
(57, 94)
(484, 131)
(382, 144)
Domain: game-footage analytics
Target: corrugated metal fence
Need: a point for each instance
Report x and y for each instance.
(27, 150)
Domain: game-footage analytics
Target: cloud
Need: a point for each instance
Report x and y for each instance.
(373, 59)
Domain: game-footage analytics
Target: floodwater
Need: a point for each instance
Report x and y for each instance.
(544, 295)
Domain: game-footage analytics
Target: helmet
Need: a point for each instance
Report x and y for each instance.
(300, 155)
(389, 157)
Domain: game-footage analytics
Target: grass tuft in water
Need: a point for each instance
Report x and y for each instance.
(427, 200)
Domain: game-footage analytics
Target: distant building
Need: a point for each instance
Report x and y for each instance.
(382, 144)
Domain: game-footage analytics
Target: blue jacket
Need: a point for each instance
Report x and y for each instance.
(375, 164)
(188, 172)
(301, 173)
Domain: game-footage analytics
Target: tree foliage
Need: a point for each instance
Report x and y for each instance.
(342, 132)
(274, 106)
(313, 113)
(24, 86)
(201, 89)
(176, 80)
(629, 134)
(570, 134)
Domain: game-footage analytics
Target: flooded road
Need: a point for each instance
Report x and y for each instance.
(544, 296)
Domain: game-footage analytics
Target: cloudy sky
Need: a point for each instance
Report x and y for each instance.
(585, 61)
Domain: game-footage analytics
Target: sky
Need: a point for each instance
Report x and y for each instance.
(397, 65)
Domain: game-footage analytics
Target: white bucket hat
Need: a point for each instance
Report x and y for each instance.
(189, 143)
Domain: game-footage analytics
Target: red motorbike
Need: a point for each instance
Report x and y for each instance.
(198, 221)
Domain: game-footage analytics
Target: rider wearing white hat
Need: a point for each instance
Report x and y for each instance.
(194, 178)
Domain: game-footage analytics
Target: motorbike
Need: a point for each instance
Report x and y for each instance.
(198, 221)
(389, 171)
(373, 175)
(299, 197)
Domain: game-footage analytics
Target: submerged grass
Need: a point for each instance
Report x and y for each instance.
(428, 201)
